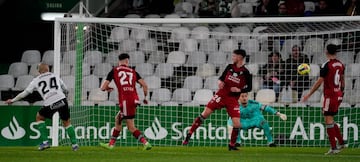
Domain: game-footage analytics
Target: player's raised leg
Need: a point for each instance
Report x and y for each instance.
(197, 122)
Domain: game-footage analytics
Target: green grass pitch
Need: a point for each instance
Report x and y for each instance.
(176, 154)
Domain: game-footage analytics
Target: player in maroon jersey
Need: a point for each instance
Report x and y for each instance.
(125, 79)
(235, 79)
(332, 75)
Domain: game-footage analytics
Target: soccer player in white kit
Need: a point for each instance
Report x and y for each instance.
(52, 90)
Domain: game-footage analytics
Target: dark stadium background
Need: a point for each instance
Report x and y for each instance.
(22, 28)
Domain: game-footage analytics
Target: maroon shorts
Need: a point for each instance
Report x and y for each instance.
(128, 107)
(331, 105)
(230, 103)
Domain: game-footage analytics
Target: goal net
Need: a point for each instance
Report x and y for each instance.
(181, 60)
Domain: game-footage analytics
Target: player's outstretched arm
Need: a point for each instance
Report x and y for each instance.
(281, 115)
(18, 97)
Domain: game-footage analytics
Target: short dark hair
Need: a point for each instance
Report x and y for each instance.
(240, 52)
(331, 49)
(123, 56)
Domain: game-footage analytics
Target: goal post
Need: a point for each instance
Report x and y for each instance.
(181, 59)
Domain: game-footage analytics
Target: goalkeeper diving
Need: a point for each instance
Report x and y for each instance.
(252, 117)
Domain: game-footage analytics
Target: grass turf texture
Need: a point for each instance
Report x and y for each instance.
(175, 154)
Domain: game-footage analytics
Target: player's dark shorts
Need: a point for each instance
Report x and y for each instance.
(127, 108)
(60, 106)
(231, 104)
(331, 105)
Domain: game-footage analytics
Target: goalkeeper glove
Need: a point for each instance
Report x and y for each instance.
(282, 116)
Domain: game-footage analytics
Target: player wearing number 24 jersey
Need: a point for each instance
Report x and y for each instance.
(332, 75)
(125, 79)
(52, 90)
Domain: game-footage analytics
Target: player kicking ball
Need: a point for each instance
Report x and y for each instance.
(252, 117)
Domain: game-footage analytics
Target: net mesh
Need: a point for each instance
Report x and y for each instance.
(181, 64)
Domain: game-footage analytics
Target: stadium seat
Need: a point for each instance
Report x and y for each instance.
(297, 105)
(17, 69)
(87, 103)
(315, 71)
(193, 83)
(251, 46)
(260, 58)
(33, 69)
(156, 57)
(189, 45)
(7, 82)
(179, 33)
(139, 34)
(112, 57)
(22, 82)
(221, 33)
(69, 81)
(195, 59)
(164, 70)
(152, 16)
(181, 95)
(148, 45)
(145, 69)
(176, 58)
(169, 103)
(153, 82)
(309, 7)
(118, 33)
(86, 70)
(206, 70)
(93, 57)
(265, 96)
(90, 82)
(345, 105)
(69, 57)
(211, 83)
(136, 57)
(203, 96)
(253, 68)
(97, 95)
(102, 69)
(346, 57)
(191, 104)
(161, 95)
(127, 45)
(228, 45)
(353, 70)
(336, 41)
(209, 45)
(240, 33)
(31, 56)
(245, 10)
(256, 83)
(107, 103)
(314, 47)
(48, 57)
(217, 59)
(200, 32)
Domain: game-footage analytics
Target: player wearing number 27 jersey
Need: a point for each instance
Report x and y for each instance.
(332, 75)
(125, 79)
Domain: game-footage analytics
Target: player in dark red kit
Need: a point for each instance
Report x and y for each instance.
(235, 79)
(125, 79)
(332, 75)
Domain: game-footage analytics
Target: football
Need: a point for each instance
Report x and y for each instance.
(303, 69)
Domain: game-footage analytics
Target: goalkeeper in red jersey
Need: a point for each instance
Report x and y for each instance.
(252, 117)
(125, 79)
(235, 79)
